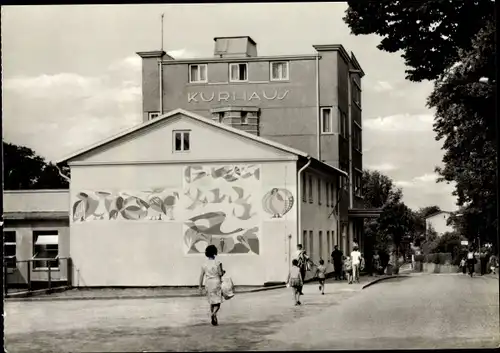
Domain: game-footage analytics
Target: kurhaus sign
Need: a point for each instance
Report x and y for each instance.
(224, 96)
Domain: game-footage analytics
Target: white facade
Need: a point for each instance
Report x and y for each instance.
(438, 222)
(143, 213)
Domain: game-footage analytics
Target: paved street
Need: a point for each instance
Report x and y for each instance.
(422, 311)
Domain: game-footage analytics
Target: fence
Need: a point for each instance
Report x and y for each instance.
(39, 273)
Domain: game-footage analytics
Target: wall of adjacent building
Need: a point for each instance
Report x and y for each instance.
(438, 222)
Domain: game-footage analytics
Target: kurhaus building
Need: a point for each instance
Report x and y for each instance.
(308, 102)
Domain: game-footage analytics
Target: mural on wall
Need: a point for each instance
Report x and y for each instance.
(157, 204)
(277, 202)
(224, 208)
(221, 205)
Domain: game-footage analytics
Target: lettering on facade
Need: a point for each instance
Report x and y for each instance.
(224, 96)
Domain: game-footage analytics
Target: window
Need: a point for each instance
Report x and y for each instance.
(319, 191)
(328, 244)
(320, 239)
(343, 126)
(244, 118)
(46, 248)
(332, 195)
(356, 95)
(279, 71)
(181, 141)
(311, 243)
(344, 179)
(9, 248)
(310, 189)
(198, 73)
(357, 183)
(304, 240)
(238, 72)
(221, 117)
(153, 115)
(304, 191)
(327, 185)
(326, 120)
(356, 137)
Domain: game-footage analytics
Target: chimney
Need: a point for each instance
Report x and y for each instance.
(235, 47)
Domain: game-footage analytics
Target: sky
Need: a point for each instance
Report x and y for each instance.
(70, 76)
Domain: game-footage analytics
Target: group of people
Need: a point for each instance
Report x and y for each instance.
(469, 261)
(345, 267)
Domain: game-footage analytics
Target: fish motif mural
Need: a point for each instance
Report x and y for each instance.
(277, 202)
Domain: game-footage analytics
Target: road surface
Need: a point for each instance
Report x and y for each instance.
(427, 311)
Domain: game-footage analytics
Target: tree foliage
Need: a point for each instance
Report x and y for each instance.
(24, 170)
(466, 121)
(453, 43)
(429, 33)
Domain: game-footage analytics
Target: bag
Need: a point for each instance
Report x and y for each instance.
(227, 288)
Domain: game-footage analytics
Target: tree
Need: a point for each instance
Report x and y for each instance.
(429, 33)
(466, 121)
(452, 42)
(24, 169)
(378, 189)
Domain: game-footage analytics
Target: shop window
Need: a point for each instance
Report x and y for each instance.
(326, 120)
(46, 249)
(198, 73)
(238, 72)
(311, 243)
(279, 71)
(182, 141)
(9, 248)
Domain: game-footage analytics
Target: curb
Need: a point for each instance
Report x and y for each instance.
(380, 279)
(125, 297)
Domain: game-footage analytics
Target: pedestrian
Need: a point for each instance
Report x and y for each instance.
(304, 262)
(348, 269)
(211, 274)
(376, 262)
(337, 262)
(463, 265)
(471, 261)
(295, 281)
(493, 264)
(321, 274)
(356, 263)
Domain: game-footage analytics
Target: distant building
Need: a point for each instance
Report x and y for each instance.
(438, 222)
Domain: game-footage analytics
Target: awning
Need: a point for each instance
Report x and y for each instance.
(25, 216)
(364, 212)
(47, 240)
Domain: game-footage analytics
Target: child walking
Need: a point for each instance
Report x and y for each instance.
(295, 281)
(463, 266)
(321, 274)
(348, 269)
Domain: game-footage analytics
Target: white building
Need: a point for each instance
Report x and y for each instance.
(438, 221)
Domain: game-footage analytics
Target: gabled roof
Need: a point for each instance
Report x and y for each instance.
(436, 213)
(199, 118)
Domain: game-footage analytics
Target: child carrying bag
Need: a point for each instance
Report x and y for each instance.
(227, 288)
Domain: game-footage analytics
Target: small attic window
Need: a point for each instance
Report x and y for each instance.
(153, 115)
(182, 141)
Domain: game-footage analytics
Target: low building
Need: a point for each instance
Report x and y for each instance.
(36, 237)
(438, 222)
(145, 204)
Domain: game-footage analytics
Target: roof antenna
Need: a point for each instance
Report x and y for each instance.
(161, 47)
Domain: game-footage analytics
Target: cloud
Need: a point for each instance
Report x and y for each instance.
(382, 167)
(382, 86)
(401, 122)
(68, 111)
(182, 54)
